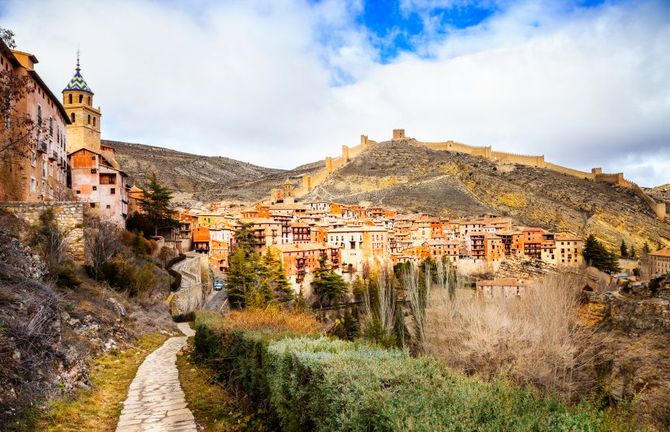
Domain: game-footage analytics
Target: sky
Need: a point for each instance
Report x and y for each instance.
(280, 83)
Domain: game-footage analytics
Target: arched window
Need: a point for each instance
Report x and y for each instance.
(93, 121)
(69, 98)
(89, 119)
(72, 117)
(81, 98)
(89, 100)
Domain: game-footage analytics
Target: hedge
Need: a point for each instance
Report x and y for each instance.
(325, 384)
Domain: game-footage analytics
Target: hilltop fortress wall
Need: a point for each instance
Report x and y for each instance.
(332, 164)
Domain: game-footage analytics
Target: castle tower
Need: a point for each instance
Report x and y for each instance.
(288, 187)
(84, 132)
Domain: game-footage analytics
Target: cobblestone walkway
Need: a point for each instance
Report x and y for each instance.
(155, 400)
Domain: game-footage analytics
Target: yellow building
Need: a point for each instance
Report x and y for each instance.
(84, 128)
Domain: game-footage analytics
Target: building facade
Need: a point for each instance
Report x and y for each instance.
(34, 167)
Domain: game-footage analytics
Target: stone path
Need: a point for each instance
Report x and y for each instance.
(155, 400)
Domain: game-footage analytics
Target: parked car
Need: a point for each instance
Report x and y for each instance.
(218, 284)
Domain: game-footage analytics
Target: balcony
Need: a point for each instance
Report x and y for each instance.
(42, 147)
(53, 155)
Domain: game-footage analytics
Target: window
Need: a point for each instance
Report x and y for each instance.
(93, 170)
(109, 206)
(51, 126)
(72, 117)
(34, 159)
(93, 121)
(92, 205)
(78, 192)
(81, 98)
(95, 188)
(89, 119)
(89, 100)
(44, 169)
(69, 98)
(33, 184)
(112, 191)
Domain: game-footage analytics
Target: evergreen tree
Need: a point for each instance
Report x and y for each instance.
(646, 249)
(156, 205)
(624, 249)
(596, 255)
(245, 240)
(328, 287)
(280, 287)
(241, 279)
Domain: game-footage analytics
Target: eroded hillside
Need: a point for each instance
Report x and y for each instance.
(412, 177)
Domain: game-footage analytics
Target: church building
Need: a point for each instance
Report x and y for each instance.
(96, 177)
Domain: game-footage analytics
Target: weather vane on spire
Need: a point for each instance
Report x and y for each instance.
(78, 68)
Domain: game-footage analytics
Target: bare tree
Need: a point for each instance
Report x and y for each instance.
(19, 133)
(51, 239)
(537, 339)
(103, 241)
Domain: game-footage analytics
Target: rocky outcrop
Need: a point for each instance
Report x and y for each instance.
(632, 359)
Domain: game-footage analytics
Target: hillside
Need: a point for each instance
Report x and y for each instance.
(197, 178)
(411, 177)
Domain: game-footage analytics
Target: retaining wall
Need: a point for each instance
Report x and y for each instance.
(69, 216)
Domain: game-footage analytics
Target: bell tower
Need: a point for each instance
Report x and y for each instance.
(84, 130)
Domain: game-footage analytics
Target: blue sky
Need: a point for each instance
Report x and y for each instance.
(285, 82)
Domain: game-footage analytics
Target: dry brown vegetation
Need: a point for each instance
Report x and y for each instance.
(535, 339)
(273, 318)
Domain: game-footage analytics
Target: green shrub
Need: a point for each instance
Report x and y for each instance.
(323, 384)
(65, 275)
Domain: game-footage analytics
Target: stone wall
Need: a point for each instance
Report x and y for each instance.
(191, 295)
(68, 214)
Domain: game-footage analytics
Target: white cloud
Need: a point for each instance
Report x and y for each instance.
(282, 83)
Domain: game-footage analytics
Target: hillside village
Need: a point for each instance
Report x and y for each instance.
(62, 168)
(68, 161)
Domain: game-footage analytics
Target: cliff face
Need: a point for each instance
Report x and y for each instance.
(413, 177)
(632, 359)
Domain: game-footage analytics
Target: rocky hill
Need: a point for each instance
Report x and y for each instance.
(195, 177)
(412, 177)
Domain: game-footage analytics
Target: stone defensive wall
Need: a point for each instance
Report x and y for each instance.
(331, 164)
(69, 216)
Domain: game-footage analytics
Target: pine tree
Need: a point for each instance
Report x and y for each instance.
(156, 205)
(280, 286)
(241, 279)
(624, 249)
(646, 249)
(596, 255)
(328, 287)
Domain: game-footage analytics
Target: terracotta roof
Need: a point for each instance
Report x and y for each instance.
(665, 252)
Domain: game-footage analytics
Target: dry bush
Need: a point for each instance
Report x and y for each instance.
(102, 243)
(273, 318)
(536, 339)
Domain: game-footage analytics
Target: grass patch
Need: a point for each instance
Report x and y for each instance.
(98, 408)
(212, 405)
